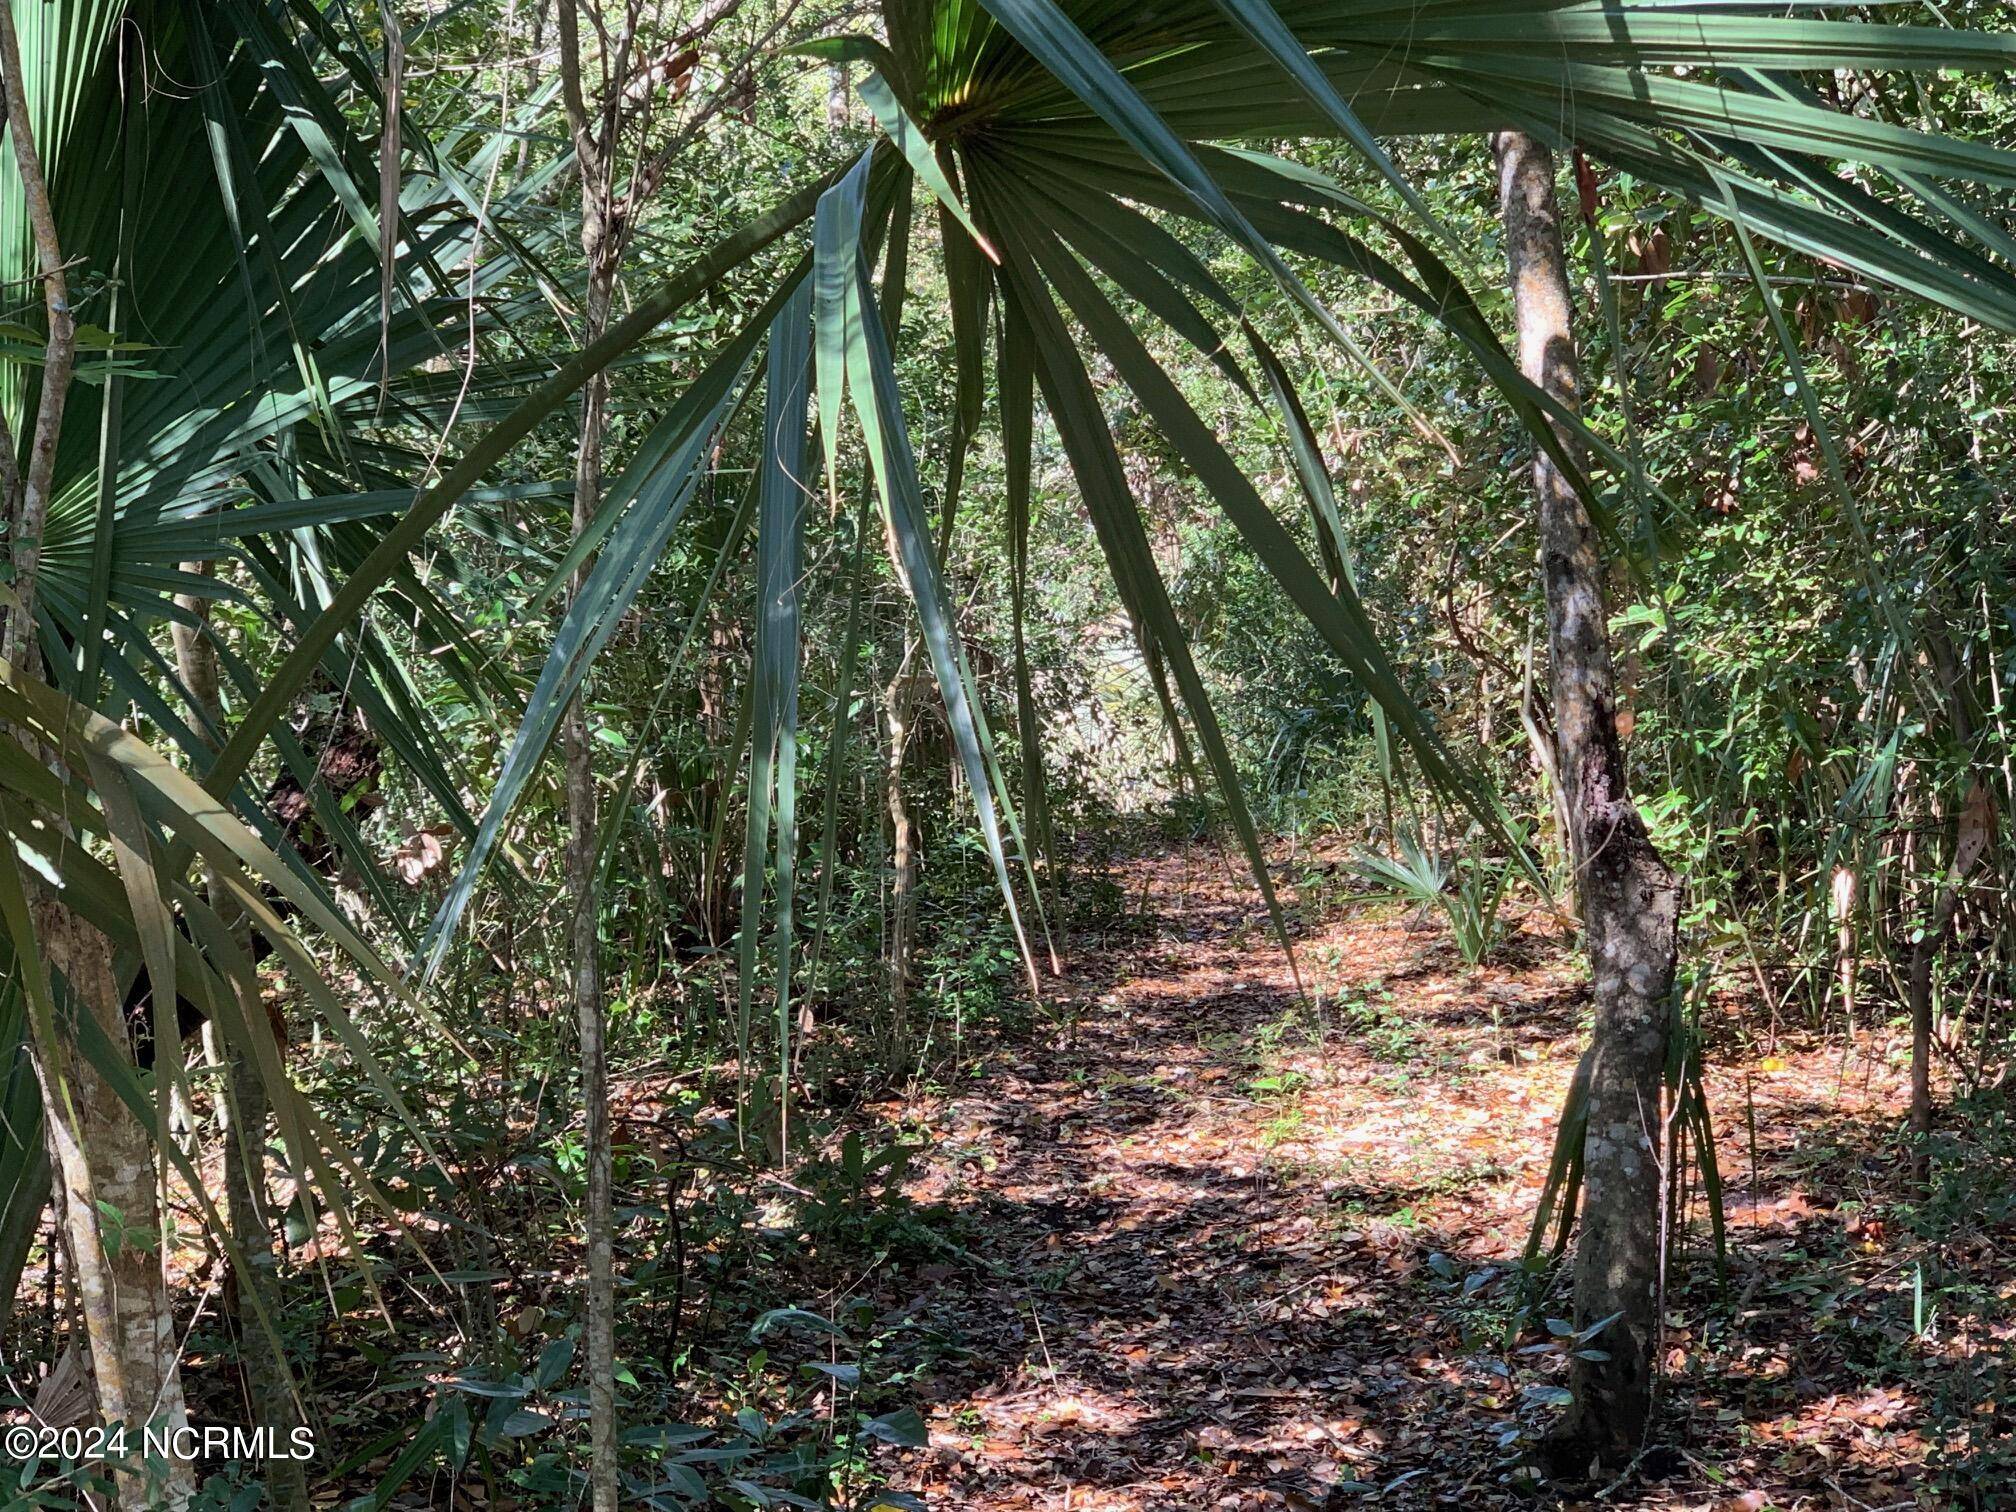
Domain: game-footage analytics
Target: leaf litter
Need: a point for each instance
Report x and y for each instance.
(1225, 1246)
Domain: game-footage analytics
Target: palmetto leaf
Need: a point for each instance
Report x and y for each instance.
(896, 123)
(1018, 404)
(24, 1159)
(257, 293)
(434, 501)
(1051, 36)
(842, 726)
(1067, 122)
(647, 505)
(1100, 135)
(1259, 21)
(1073, 404)
(782, 497)
(143, 804)
(853, 350)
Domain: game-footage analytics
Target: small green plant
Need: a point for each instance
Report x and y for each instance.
(860, 1193)
(1470, 894)
(1277, 1086)
(1287, 1124)
(1390, 1036)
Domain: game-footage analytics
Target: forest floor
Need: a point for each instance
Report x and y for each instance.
(1222, 1246)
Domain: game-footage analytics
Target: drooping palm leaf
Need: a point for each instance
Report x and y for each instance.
(229, 297)
(1063, 121)
(853, 355)
(783, 489)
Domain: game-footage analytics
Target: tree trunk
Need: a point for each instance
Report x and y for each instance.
(1630, 900)
(269, 1403)
(101, 1155)
(111, 1215)
(602, 237)
(1924, 955)
(1843, 901)
(584, 935)
(902, 701)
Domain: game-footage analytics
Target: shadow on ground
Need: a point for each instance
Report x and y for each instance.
(1220, 1248)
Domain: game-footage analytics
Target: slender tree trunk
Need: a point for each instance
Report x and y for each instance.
(101, 1155)
(609, 210)
(112, 1216)
(1843, 900)
(1630, 900)
(584, 936)
(1924, 955)
(902, 702)
(31, 485)
(242, 1121)
(596, 150)
(590, 1012)
(196, 665)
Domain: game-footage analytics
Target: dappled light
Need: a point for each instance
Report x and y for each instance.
(1017, 755)
(1231, 1247)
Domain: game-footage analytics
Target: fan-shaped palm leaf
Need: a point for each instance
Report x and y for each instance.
(1059, 121)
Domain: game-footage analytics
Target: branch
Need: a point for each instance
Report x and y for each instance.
(59, 358)
(618, 78)
(645, 178)
(570, 86)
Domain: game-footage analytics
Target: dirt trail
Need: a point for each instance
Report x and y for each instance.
(1224, 1254)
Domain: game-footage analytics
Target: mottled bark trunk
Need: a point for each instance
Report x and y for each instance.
(111, 1213)
(32, 484)
(590, 1012)
(1843, 899)
(1629, 898)
(101, 1155)
(596, 150)
(269, 1403)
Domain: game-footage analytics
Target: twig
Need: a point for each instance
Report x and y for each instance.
(1036, 1318)
(1719, 275)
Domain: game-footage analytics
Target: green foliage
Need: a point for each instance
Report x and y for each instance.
(1010, 313)
(1469, 893)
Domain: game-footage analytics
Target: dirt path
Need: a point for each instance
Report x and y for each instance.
(1224, 1253)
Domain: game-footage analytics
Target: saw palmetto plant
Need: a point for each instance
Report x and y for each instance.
(274, 299)
(1075, 159)
(215, 211)
(1048, 138)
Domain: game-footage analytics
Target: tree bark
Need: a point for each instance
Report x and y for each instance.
(101, 1155)
(602, 247)
(1630, 900)
(111, 1215)
(901, 697)
(32, 484)
(591, 1016)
